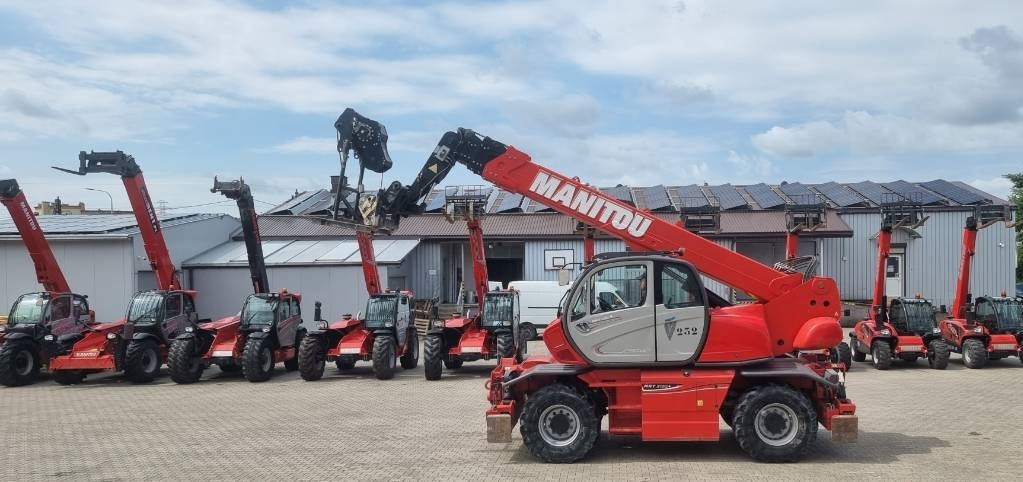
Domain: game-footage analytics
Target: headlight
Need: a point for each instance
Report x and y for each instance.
(266, 329)
(111, 336)
(3, 328)
(438, 324)
(507, 323)
(322, 325)
(49, 338)
(189, 329)
(885, 332)
(935, 330)
(388, 324)
(978, 329)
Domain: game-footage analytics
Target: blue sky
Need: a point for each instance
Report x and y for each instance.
(671, 92)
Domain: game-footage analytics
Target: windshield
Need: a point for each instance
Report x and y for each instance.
(498, 308)
(380, 309)
(146, 307)
(28, 309)
(259, 310)
(1010, 314)
(920, 316)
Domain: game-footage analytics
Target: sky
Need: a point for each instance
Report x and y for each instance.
(655, 92)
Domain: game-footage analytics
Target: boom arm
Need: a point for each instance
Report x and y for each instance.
(369, 261)
(479, 260)
(125, 166)
(47, 270)
(242, 195)
(963, 284)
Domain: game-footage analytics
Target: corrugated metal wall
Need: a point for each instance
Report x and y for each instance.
(187, 240)
(422, 270)
(533, 265)
(932, 261)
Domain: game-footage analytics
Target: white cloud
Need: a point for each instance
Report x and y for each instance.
(307, 144)
(999, 186)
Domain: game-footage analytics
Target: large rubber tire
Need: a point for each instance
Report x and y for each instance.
(291, 364)
(312, 358)
(184, 365)
(142, 361)
(937, 354)
(19, 364)
(344, 364)
(559, 424)
(528, 332)
(258, 360)
(433, 356)
(844, 353)
(68, 377)
(230, 367)
(881, 355)
(383, 357)
(775, 423)
(505, 345)
(974, 353)
(857, 355)
(410, 359)
(453, 363)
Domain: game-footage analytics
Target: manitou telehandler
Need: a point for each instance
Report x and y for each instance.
(267, 330)
(154, 317)
(971, 329)
(905, 329)
(667, 367)
(387, 332)
(43, 324)
(492, 332)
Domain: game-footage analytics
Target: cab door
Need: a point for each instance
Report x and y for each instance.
(681, 312)
(59, 316)
(605, 327)
(290, 317)
(175, 316)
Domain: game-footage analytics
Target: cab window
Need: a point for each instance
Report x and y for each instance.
(618, 287)
(679, 288)
(189, 304)
(283, 309)
(896, 314)
(173, 305)
(296, 310)
(985, 310)
(579, 303)
(60, 308)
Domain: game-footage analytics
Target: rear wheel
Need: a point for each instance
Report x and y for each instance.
(505, 345)
(859, 353)
(344, 364)
(433, 354)
(257, 360)
(410, 359)
(881, 355)
(312, 358)
(19, 364)
(937, 354)
(844, 353)
(559, 424)
(142, 361)
(775, 423)
(528, 332)
(383, 357)
(974, 353)
(453, 362)
(68, 377)
(291, 364)
(184, 363)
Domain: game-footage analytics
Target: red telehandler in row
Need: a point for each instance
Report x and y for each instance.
(267, 330)
(905, 329)
(43, 324)
(492, 332)
(990, 328)
(670, 366)
(154, 317)
(386, 334)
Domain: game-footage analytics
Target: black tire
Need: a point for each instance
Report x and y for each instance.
(383, 357)
(505, 345)
(410, 359)
(68, 377)
(528, 332)
(858, 353)
(258, 360)
(938, 354)
(775, 423)
(881, 355)
(433, 356)
(19, 364)
(229, 367)
(453, 362)
(344, 364)
(844, 353)
(559, 424)
(312, 358)
(142, 361)
(910, 358)
(291, 364)
(974, 353)
(184, 364)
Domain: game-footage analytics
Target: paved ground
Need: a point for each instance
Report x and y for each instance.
(915, 423)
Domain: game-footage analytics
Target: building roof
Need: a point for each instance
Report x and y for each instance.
(304, 252)
(96, 225)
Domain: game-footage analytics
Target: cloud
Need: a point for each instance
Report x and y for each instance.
(304, 144)
(999, 186)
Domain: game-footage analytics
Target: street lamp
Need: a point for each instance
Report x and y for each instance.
(104, 192)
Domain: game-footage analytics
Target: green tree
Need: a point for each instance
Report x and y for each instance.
(1016, 197)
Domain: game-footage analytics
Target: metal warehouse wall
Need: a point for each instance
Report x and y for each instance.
(533, 264)
(342, 289)
(102, 269)
(932, 261)
(421, 270)
(188, 240)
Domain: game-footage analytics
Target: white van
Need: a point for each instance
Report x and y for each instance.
(538, 301)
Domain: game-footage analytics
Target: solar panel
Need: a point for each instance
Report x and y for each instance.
(691, 196)
(436, 203)
(510, 202)
(656, 198)
(840, 195)
(796, 189)
(764, 196)
(953, 192)
(872, 191)
(913, 193)
(621, 193)
(728, 197)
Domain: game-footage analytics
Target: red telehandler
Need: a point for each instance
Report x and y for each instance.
(905, 329)
(493, 331)
(44, 324)
(267, 330)
(671, 365)
(975, 329)
(386, 334)
(154, 317)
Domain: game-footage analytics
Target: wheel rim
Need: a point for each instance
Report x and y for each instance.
(391, 362)
(873, 355)
(776, 424)
(266, 360)
(559, 425)
(967, 355)
(415, 347)
(23, 363)
(149, 361)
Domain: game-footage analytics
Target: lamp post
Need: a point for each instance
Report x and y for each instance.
(104, 192)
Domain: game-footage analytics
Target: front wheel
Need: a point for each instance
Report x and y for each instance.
(559, 424)
(383, 357)
(410, 359)
(257, 360)
(859, 353)
(528, 332)
(881, 355)
(142, 361)
(312, 358)
(974, 353)
(505, 345)
(291, 364)
(937, 354)
(433, 355)
(775, 423)
(843, 354)
(19, 364)
(184, 363)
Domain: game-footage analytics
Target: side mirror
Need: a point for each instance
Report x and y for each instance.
(358, 316)
(564, 277)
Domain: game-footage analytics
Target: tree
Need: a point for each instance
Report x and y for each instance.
(1016, 197)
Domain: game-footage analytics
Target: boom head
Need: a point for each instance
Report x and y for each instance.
(231, 189)
(898, 211)
(116, 162)
(365, 136)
